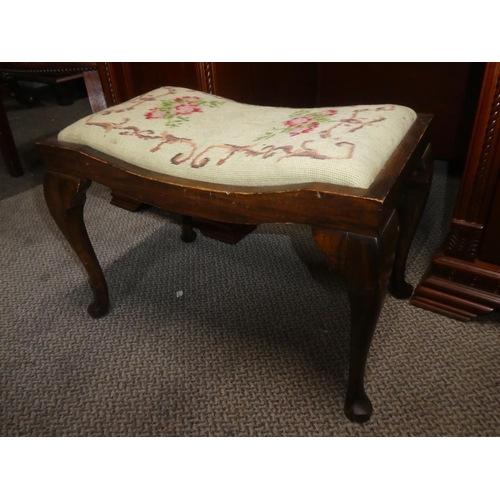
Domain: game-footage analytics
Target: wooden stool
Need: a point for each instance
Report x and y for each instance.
(358, 175)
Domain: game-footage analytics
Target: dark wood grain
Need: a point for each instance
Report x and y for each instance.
(222, 231)
(364, 263)
(125, 202)
(410, 210)
(65, 196)
(291, 84)
(150, 76)
(95, 91)
(490, 246)
(463, 279)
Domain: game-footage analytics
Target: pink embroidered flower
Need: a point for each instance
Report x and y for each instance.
(298, 131)
(299, 120)
(154, 113)
(327, 112)
(186, 109)
(187, 98)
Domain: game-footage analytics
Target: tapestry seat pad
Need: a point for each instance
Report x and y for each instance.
(203, 137)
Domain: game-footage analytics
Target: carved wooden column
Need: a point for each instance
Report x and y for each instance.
(463, 280)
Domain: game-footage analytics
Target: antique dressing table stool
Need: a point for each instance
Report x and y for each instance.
(358, 175)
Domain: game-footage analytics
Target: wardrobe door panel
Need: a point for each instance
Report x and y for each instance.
(267, 84)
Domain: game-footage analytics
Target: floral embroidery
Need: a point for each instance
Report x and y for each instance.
(137, 101)
(302, 121)
(200, 159)
(310, 126)
(186, 109)
(153, 114)
(177, 111)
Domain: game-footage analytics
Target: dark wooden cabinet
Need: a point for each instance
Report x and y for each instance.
(490, 247)
(268, 84)
(463, 280)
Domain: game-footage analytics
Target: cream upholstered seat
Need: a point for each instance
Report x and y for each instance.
(198, 136)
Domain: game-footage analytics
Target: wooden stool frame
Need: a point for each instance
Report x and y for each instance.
(365, 234)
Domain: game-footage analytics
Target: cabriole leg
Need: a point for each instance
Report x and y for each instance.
(65, 196)
(410, 209)
(364, 264)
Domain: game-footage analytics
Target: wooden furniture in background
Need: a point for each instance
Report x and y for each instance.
(56, 74)
(463, 280)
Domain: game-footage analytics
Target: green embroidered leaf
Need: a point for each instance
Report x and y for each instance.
(174, 120)
(267, 135)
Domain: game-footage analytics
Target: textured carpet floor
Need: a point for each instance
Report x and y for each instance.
(257, 346)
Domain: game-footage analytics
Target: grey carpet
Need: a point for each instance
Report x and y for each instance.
(257, 346)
